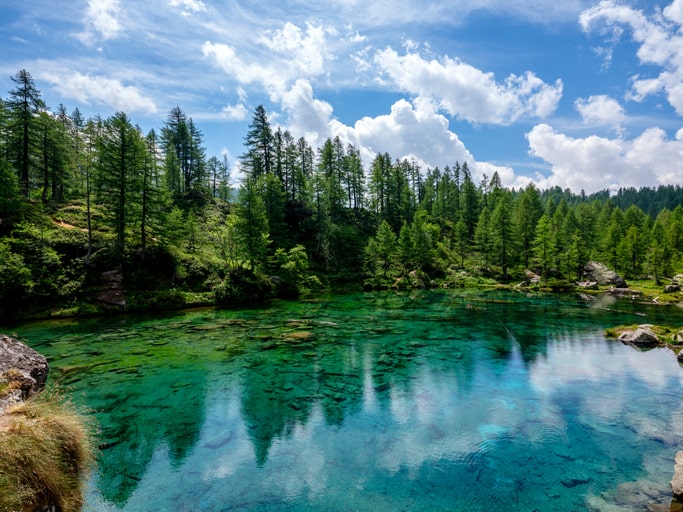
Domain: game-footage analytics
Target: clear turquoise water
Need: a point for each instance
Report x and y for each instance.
(429, 401)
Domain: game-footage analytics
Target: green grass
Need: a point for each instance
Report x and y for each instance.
(663, 332)
(650, 289)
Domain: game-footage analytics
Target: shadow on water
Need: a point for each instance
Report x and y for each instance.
(449, 395)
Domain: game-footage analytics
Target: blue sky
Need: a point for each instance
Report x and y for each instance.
(577, 93)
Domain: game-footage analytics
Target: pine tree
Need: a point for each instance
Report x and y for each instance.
(656, 252)
(24, 105)
(175, 144)
(259, 158)
(461, 240)
(154, 199)
(502, 230)
(483, 235)
(528, 210)
(252, 223)
(378, 186)
(542, 247)
(469, 201)
(121, 160)
(53, 156)
(355, 177)
(381, 251)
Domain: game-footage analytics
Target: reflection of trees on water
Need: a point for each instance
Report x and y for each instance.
(380, 348)
(283, 384)
(150, 410)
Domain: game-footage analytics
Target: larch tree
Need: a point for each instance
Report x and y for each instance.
(252, 223)
(259, 142)
(121, 160)
(542, 248)
(24, 105)
(528, 209)
(503, 233)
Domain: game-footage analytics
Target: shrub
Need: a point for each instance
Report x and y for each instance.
(242, 286)
(15, 278)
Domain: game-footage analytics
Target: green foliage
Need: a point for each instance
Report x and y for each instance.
(502, 232)
(15, 278)
(542, 247)
(381, 257)
(242, 286)
(80, 197)
(10, 202)
(252, 224)
(292, 277)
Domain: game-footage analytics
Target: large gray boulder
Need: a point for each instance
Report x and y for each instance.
(594, 271)
(23, 372)
(641, 337)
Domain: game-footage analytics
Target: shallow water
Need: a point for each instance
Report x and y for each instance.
(428, 401)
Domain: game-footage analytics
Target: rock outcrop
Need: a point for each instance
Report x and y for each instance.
(677, 480)
(532, 277)
(641, 337)
(599, 273)
(113, 294)
(672, 288)
(23, 372)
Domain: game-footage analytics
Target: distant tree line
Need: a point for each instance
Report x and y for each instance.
(79, 196)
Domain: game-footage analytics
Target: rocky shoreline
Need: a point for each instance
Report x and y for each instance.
(646, 336)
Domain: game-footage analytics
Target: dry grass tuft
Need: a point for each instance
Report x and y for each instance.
(46, 446)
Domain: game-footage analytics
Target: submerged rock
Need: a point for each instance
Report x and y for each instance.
(298, 336)
(23, 372)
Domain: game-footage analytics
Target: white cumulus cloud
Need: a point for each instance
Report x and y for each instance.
(101, 21)
(467, 92)
(660, 37)
(101, 90)
(234, 112)
(601, 110)
(286, 55)
(597, 163)
(305, 49)
(308, 116)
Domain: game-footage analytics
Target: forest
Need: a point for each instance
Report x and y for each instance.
(80, 198)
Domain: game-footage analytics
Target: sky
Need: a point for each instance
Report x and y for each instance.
(581, 94)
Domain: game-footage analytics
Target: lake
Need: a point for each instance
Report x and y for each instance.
(424, 401)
